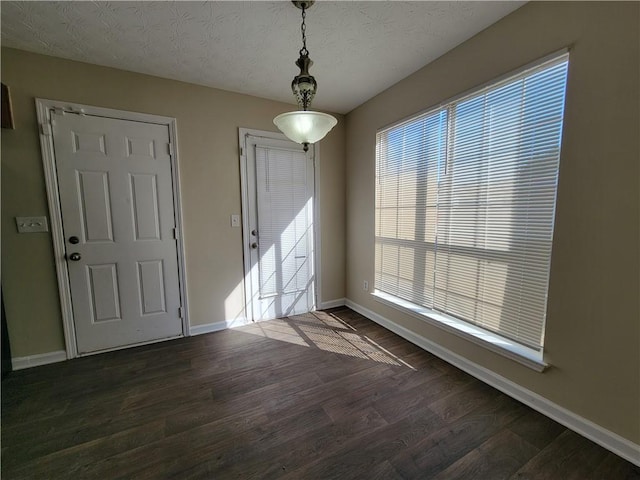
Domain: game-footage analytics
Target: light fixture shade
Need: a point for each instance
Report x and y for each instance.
(305, 126)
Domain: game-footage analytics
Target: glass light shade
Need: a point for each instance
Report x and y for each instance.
(305, 126)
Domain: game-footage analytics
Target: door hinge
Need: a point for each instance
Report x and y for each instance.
(242, 151)
(170, 149)
(175, 233)
(181, 312)
(45, 129)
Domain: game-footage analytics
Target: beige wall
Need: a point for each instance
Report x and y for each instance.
(593, 326)
(208, 121)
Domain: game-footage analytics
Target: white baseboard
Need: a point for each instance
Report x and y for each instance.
(611, 441)
(20, 363)
(217, 326)
(338, 302)
(239, 322)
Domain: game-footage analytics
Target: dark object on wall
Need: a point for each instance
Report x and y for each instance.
(6, 350)
(7, 112)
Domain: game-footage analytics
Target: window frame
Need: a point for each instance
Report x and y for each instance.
(514, 350)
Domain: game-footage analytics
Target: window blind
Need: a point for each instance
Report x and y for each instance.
(284, 189)
(465, 202)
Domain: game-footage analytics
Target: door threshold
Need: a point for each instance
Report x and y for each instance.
(131, 345)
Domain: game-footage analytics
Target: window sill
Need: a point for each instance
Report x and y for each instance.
(507, 348)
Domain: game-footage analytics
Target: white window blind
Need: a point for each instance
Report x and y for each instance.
(465, 202)
(285, 220)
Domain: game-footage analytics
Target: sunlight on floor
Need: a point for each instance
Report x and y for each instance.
(326, 332)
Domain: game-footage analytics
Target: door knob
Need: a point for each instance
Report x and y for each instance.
(75, 256)
(254, 245)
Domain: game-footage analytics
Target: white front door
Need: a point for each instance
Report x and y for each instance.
(281, 230)
(116, 197)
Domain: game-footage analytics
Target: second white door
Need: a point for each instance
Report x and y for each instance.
(280, 187)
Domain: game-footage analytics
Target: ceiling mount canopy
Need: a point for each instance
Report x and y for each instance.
(304, 126)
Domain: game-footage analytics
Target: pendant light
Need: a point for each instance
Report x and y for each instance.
(304, 126)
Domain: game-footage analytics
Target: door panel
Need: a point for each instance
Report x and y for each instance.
(144, 194)
(103, 291)
(95, 206)
(88, 142)
(282, 186)
(116, 196)
(151, 276)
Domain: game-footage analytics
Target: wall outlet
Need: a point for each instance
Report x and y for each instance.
(235, 220)
(365, 286)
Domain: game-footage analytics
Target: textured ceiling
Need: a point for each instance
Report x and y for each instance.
(358, 48)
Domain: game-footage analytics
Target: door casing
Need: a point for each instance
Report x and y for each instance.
(243, 133)
(43, 110)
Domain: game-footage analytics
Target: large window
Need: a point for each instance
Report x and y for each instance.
(465, 202)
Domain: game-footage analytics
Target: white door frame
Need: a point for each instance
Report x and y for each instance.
(243, 133)
(43, 110)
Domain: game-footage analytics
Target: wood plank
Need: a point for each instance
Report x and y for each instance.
(237, 447)
(72, 462)
(536, 429)
(497, 458)
(444, 447)
(568, 457)
(359, 457)
(615, 467)
(463, 400)
(267, 462)
(437, 385)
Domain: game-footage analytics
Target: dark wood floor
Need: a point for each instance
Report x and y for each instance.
(329, 395)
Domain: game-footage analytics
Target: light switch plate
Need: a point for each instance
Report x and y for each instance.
(235, 220)
(32, 224)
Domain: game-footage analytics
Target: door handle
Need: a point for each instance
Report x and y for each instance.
(254, 245)
(75, 256)
(74, 240)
